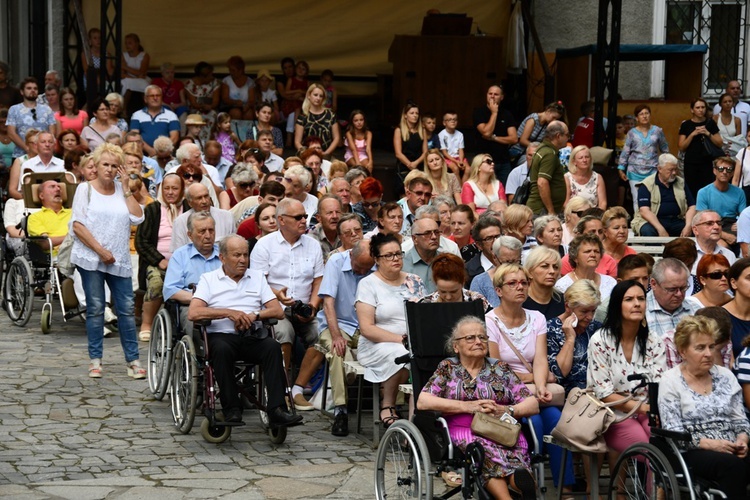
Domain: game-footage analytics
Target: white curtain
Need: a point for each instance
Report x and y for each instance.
(516, 47)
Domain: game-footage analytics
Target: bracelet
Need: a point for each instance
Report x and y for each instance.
(128, 194)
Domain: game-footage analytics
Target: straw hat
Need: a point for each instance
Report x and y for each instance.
(264, 72)
(195, 119)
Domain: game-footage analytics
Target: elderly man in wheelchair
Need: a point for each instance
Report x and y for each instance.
(236, 299)
(51, 222)
(471, 383)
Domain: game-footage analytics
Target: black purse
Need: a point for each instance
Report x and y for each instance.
(521, 195)
(712, 149)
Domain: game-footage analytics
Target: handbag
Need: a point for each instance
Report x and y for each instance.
(558, 391)
(492, 428)
(585, 419)
(521, 195)
(712, 149)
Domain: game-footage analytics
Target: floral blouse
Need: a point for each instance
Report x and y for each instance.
(588, 190)
(718, 415)
(555, 341)
(608, 369)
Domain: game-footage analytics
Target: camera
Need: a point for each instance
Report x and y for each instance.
(301, 309)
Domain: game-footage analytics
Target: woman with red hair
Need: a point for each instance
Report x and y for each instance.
(69, 140)
(449, 275)
(371, 191)
(713, 274)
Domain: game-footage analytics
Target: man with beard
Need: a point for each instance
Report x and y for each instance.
(27, 115)
(664, 202)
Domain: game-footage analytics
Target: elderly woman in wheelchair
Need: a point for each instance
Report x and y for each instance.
(473, 383)
(706, 400)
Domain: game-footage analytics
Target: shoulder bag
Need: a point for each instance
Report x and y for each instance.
(712, 149)
(521, 196)
(557, 391)
(585, 419)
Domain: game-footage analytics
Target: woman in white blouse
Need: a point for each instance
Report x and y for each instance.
(585, 253)
(624, 346)
(102, 214)
(705, 400)
(483, 187)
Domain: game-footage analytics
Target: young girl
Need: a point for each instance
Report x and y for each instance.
(332, 98)
(222, 133)
(358, 141)
(135, 62)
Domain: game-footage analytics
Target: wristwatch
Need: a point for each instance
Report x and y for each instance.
(512, 411)
(257, 315)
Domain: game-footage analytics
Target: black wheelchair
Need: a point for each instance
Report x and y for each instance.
(33, 268)
(192, 374)
(412, 454)
(657, 469)
(165, 332)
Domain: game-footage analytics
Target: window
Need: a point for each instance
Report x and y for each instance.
(720, 24)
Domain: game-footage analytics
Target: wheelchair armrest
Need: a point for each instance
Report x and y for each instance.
(675, 435)
(202, 322)
(428, 414)
(271, 321)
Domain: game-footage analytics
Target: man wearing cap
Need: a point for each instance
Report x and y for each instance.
(155, 120)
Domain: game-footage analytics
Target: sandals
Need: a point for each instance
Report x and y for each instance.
(392, 416)
(452, 479)
(135, 370)
(95, 368)
(144, 335)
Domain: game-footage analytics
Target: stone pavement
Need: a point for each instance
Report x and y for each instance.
(64, 435)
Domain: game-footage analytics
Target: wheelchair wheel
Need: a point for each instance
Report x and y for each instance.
(215, 433)
(402, 465)
(643, 472)
(19, 291)
(46, 320)
(160, 354)
(277, 434)
(184, 384)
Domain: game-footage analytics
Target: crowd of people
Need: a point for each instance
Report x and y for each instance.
(184, 201)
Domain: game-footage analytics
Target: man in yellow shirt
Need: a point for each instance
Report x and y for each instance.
(53, 219)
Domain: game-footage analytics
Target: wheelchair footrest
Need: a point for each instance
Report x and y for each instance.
(228, 424)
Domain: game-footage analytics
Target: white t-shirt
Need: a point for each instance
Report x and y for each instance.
(516, 178)
(451, 142)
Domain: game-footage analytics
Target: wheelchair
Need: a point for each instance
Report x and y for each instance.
(192, 375)
(165, 333)
(657, 469)
(32, 267)
(412, 454)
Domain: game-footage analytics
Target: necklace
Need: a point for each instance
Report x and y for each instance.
(701, 384)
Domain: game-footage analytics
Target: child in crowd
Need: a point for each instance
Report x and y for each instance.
(193, 126)
(429, 123)
(452, 146)
(326, 80)
(222, 133)
(264, 91)
(358, 142)
(135, 63)
(114, 138)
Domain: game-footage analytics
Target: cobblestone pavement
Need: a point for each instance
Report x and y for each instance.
(64, 435)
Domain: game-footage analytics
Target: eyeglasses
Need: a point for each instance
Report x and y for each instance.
(473, 338)
(709, 223)
(515, 261)
(297, 217)
(434, 232)
(420, 194)
(717, 275)
(674, 290)
(488, 162)
(724, 169)
(245, 185)
(151, 96)
(352, 232)
(392, 256)
(516, 284)
(374, 204)
(196, 177)
(487, 239)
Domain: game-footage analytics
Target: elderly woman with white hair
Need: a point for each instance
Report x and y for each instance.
(507, 250)
(581, 180)
(244, 179)
(655, 218)
(548, 231)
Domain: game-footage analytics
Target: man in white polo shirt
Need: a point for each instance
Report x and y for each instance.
(236, 299)
(44, 161)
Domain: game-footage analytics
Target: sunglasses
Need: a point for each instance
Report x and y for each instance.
(724, 169)
(296, 217)
(488, 162)
(196, 177)
(579, 213)
(717, 275)
(245, 185)
(420, 194)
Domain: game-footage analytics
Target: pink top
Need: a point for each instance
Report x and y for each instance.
(523, 337)
(76, 123)
(471, 193)
(607, 266)
(165, 234)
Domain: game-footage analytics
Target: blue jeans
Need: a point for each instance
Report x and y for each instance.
(543, 424)
(122, 296)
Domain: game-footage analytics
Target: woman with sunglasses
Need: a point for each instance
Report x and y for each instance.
(244, 179)
(482, 188)
(382, 319)
(192, 175)
(371, 192)
(510, 323)
(713, 274)
(574, 210)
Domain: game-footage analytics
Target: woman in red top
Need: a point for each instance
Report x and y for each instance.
(69, 116)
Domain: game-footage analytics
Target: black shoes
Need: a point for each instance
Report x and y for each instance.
(233, 416)
(280, 418)
(340, 425)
